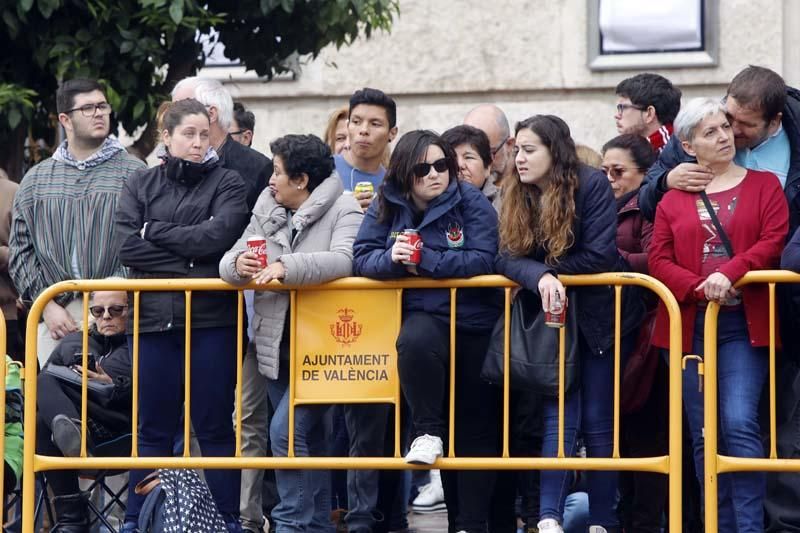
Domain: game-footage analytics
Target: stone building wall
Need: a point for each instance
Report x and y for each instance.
(443, 57)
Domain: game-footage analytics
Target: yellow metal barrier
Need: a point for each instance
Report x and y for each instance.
(668, 465)
(716, 464)
(3, 346)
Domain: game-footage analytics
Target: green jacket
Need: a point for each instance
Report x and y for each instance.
(13, 449)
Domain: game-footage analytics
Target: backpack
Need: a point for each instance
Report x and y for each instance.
(177, 501)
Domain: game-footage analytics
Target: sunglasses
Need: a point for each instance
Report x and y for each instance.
(423, 169)
(115, 311)
(617, 172)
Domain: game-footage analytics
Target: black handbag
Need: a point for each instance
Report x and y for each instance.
(534, 347)
(101, 393)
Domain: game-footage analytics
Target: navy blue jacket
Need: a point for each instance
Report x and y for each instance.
(654, 185)
(459, 235)
(594, 251)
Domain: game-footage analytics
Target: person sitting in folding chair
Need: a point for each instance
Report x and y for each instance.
(58, 424)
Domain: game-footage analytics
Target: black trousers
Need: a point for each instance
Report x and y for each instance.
(110, 432)
(423, 349)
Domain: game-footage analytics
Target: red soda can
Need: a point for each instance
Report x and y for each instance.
(258, 245)
(556, 315)
(416, 241)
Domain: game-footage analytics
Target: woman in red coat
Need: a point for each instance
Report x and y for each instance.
(689, 255)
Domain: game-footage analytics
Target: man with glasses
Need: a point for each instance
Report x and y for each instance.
(243, 125)
(646, 105)
(493, 122)
(58, 423)
(63, 215)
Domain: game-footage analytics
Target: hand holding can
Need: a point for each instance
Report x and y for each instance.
(258, 246)
(415, 241)
(556, 315)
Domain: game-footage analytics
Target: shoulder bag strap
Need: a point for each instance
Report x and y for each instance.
(726, 242)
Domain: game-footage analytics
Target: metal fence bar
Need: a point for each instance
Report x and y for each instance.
(3, 347)
(670, 464)
(239, 365)
(187, 382)
(135, 381)
(451, 446)
(715, 463)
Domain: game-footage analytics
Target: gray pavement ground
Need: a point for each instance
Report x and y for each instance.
(427, 523)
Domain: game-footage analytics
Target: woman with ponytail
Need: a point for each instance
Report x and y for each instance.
(559, 217)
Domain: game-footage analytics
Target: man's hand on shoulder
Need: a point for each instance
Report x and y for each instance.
(58, 321)
(689, 177)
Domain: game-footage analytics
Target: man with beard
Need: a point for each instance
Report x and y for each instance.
(63, 215)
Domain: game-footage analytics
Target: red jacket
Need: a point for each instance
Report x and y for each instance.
(633, 235)
(757, 232)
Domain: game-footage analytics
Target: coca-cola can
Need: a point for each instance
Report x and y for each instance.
(414, 240)
(556, 316)
(258, 245)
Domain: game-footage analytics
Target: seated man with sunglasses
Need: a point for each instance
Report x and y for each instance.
(58, 425)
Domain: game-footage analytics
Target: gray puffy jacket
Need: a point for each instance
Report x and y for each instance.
(321, 251)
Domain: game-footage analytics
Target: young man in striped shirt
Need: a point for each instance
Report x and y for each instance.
(63, 216)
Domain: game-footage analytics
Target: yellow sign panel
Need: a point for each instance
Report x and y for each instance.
(346, 345)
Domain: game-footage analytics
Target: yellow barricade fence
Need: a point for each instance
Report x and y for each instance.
(362, 311)
(716, 464)
(3, 346)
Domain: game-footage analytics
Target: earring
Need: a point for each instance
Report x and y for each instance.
(299, 187)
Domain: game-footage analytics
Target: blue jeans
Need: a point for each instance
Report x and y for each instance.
(741, 374)
(213, 381)
(590, 408)
(305, 498)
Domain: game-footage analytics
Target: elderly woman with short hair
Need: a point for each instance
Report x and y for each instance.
(309, 226)
(688, 252)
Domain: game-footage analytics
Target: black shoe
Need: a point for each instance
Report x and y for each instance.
(71, 513)
(67, 435)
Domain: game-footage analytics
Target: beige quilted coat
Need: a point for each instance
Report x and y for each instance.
(322, 250)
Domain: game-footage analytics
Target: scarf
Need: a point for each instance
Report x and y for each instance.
(110, 147)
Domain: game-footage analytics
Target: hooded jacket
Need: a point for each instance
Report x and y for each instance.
(459, 236)
(176, 221)
(320, 251)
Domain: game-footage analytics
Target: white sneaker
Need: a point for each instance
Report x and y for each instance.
(549, 525)
(597, 529)
(424, 450)
(431, 496)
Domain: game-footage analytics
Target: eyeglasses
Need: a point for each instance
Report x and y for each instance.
(617, 172)
(89, 110)
(423, 169)
(239, 132)
(622, 107)
(497, 148)
(115, 311)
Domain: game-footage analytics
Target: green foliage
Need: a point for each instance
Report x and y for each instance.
(16, 103)
(140, 48)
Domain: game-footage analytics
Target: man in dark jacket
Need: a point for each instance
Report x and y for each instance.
(58, 425)
(254, 167)
(765, 116)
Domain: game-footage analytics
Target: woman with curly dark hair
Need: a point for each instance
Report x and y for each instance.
(559, 217)
(309, 226)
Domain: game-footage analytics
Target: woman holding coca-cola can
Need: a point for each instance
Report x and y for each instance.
(303, 227)
(425, 222)
(176, 221)
(559, 217)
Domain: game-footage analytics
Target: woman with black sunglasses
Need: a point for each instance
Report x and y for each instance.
(458, 228)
